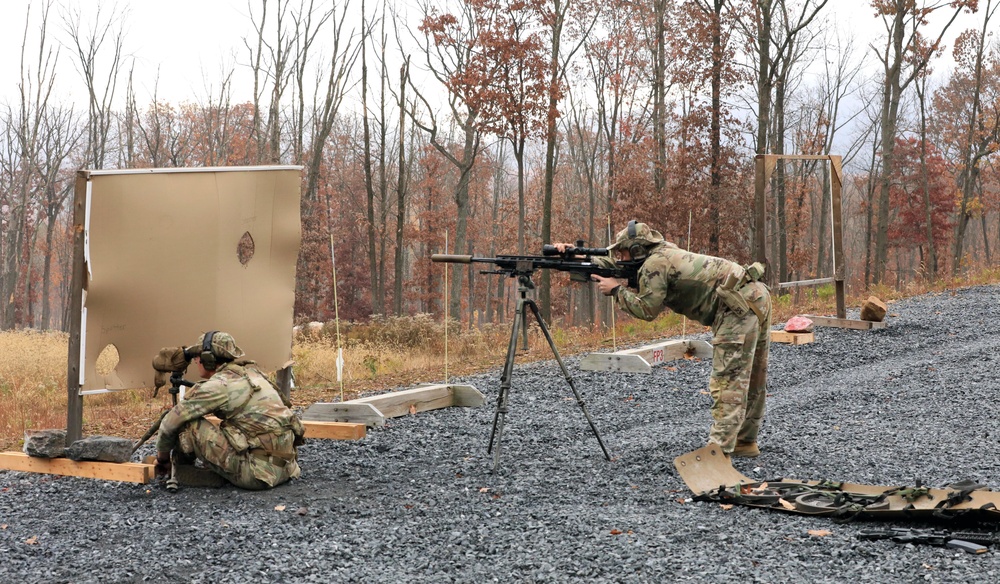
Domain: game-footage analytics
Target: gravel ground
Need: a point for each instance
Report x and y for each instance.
(416, 501)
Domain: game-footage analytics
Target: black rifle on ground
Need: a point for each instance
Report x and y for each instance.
(973, 543)
(577, 260)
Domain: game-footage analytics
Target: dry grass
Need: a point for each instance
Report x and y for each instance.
(386, 353)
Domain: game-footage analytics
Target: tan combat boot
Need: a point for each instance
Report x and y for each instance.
(746, 450)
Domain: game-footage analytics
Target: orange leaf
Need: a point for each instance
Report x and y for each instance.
(616, 532)
(786, 504)
(31, 540)
(279, 508)
(819, 532)
(726, 506)
(484, 489)
(670, 368)
(413, 409)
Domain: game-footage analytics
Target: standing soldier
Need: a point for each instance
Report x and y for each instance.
(255, 445)
(715, 292)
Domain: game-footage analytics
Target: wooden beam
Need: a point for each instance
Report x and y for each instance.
(357, 413)
(131, 472)
(334, 430)
(78, 280)
(421, 399)
(792, 338)
(849, 323)
(642, 359)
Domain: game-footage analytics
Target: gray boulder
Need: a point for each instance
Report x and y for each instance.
(101, 448)
(50, 443)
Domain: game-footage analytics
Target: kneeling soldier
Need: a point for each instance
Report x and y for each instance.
(255, 445)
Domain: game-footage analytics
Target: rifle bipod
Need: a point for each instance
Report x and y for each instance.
(521, 326)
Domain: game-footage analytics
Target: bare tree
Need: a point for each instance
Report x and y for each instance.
(904, 57)
(32, 157)
(402, 189)
(444, 62)
(60, 137)
(270, 59)
(839, 81)
(979, 141)
(327, 98)
(559, 18)
(106, 34)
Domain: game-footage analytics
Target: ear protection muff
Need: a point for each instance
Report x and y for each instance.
(636, 250)
(207, 356)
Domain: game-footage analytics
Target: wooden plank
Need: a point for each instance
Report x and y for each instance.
(420, 399)
(467, 396)
(792, 338)
(849, 323)
(131, 472)
(800, 283)
(397, 403)
(642, 359)
(615, 362)
(352, 412)
(373, 410)
(334, 430)
(324, 430)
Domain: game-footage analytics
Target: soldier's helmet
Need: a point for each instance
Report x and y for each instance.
(216, 346)
(637, 238)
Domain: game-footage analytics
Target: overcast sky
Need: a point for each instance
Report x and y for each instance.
(189, 42)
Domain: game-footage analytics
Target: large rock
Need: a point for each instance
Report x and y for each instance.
(49, 443)
(799, 324)
(102, 448)
(873, 309)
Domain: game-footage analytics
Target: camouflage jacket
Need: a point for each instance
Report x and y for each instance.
(677, 279)
(251, 410)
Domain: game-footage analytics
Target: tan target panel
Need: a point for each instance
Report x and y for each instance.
(171, 253)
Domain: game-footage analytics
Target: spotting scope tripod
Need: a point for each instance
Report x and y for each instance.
(524, 283)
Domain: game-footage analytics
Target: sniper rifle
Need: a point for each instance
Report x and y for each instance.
(973, 543)
(578, 260)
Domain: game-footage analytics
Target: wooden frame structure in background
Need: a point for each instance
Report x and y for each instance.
(764, 167)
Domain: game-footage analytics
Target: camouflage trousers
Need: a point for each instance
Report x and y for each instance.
(738, 384)
(248, 469)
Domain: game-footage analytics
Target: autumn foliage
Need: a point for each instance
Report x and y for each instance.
(656, 108)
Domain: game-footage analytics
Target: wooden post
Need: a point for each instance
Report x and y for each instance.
(837, 176)
(760, 211)
(763, 167)
(284, 378)
(74, 403)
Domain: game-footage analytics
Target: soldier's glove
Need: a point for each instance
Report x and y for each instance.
(162, 468)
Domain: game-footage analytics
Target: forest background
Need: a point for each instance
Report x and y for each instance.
(493, 126)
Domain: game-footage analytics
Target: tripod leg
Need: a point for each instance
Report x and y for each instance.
(502, 398)
(569, 378)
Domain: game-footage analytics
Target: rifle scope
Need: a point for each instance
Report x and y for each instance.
(577, 250)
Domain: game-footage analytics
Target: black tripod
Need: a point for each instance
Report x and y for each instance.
(521, 325)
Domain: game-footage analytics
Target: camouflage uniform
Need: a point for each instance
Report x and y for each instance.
(717, 293)
(254, 446)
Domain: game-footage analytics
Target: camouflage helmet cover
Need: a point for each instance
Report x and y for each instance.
(636, 233)
(224, 346)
